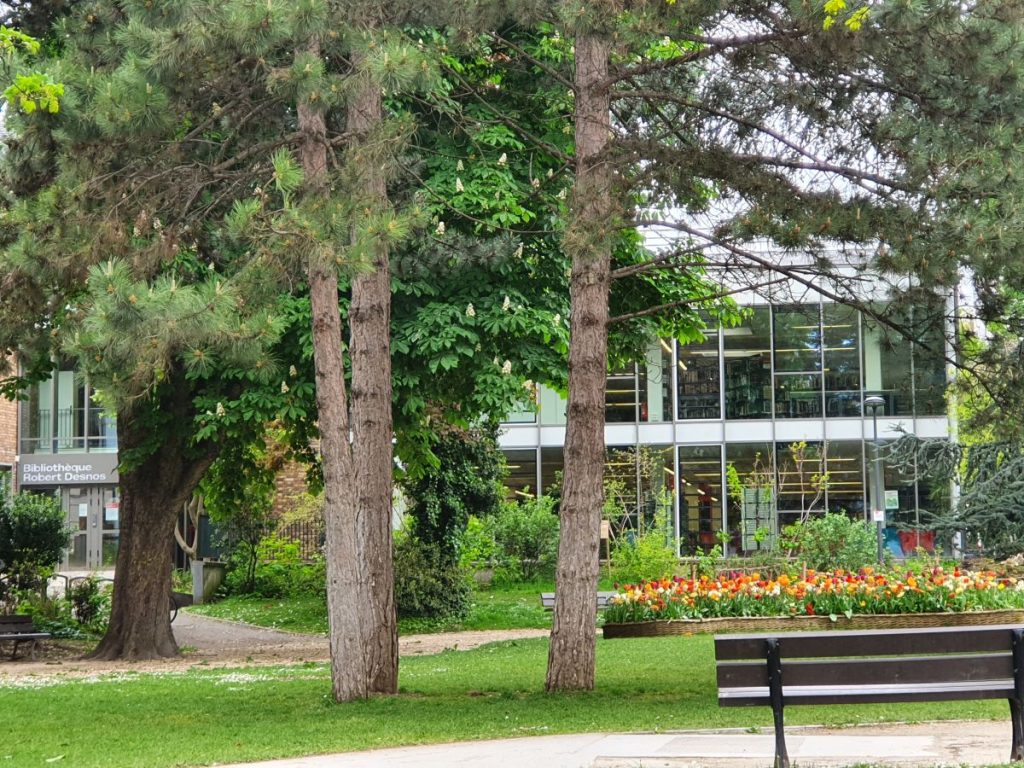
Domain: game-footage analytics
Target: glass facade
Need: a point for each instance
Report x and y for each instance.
(796, 375)
(61, 415)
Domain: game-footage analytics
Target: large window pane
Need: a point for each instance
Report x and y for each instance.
(845, 487)
(798, 363)
(842, 360)
(929, 361)
(748, 380)
(800, 468)
(620, 397)
(551, 464)
(655, 376)
(751, 468)
(700, 496)
(522, 474)
(797, 338)
(698, 379)
(887, 368)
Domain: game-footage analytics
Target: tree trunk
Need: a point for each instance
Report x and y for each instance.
(347, 595)
(571, 664)
(370, 323)
(152, 496)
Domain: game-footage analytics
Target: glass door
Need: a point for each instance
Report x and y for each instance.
(94, 517)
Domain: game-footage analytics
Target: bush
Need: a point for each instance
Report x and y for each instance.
(33, 535)
(279, 571)
(831, 541)
(427, 586)
(478, 548)
(648, 556)
(527, 535)
(90, 604)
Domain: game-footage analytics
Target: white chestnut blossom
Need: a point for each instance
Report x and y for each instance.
(458, 185)
(470, 310)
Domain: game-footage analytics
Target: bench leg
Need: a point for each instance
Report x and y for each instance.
(775, 694)
(1017, 724)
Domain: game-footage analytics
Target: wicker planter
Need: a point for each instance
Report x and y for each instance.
(808, 623)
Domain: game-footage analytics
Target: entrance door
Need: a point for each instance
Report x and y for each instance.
(94, 517)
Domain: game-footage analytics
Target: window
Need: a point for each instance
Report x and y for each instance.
(748, 380)
(798, 361)
(700, 496)
(620, 396)
(62, 415)
(842, 360)
(698, 379)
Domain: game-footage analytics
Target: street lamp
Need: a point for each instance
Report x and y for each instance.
(874, 402)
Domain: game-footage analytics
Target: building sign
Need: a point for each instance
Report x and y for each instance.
(892, 500)
(68, 469)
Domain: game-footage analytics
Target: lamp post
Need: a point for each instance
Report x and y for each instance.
(874, 402)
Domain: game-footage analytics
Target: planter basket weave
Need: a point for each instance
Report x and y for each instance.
(809, 623)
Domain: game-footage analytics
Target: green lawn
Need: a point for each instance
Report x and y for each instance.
(204, 716)
(516, 607)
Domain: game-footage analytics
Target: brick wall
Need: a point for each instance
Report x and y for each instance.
(8, 430)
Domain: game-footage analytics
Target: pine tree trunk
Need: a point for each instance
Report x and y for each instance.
(152, 495)
(370, 323)
(346, 593)
(571, 664)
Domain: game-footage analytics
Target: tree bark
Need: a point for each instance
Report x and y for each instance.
(370, 324)
(152, 495)
(346, 593)
(571, 662)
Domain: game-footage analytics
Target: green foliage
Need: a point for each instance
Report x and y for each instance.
(466, 481)
(427, 583)
(647, 555)
(34, 92)
(478, 548)
(279, 571)
(831, 541)
(527, 534)
(33, 536)
(90, 603)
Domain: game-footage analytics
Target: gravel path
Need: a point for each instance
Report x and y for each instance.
(219, 643)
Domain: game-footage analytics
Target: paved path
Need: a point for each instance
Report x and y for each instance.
(923, 744)
(216, 639)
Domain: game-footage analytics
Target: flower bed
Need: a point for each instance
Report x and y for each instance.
(832, 596)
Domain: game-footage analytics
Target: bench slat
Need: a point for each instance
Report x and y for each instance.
(900, 671)
(865, 694)
(872, 642)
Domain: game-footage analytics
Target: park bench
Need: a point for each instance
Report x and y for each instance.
(20, 629)
(547, 600)
(873, 666)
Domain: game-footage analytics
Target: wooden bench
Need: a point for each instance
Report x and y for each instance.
(547, 599)
(18, 630)
(869, 666)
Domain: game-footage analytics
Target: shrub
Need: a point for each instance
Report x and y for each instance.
(279, 571)
(427, 586)
(90, 604)
(527, 535)
(831, 541)
(33, 535)
(650, 555)
(478, 548)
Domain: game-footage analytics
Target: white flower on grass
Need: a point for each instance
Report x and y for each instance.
(506, 367)
(458, 185)
(440, 228)
(503, 159)
(470, 311)
(506, 304)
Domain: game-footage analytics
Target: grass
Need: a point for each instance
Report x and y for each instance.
(204, 716)
(514, 607)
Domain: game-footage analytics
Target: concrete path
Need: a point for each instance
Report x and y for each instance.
(924, 744)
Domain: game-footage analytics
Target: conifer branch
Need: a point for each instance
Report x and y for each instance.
(688, 302)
